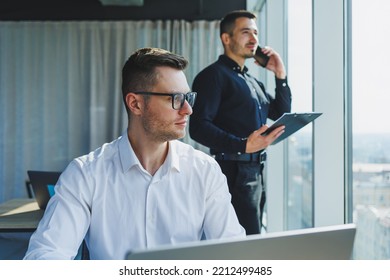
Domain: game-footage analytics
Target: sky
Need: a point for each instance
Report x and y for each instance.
(370, 62)
(371, 66)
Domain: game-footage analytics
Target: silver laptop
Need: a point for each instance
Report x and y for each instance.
(321, 243)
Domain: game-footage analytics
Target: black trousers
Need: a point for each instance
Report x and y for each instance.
(248, 193)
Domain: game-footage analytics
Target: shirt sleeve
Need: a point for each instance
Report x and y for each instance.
(66, 219)
(221, 220)
(208, 84)
(282, 102)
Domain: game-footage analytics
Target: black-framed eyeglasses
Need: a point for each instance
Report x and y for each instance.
(177, 98)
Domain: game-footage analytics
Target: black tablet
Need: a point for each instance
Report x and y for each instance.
(292, 122)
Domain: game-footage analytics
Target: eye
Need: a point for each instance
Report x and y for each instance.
(177, 98)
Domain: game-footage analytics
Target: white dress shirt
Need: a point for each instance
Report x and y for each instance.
(109, 199)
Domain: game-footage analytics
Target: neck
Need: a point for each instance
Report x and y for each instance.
(150, 153)
(238, 59)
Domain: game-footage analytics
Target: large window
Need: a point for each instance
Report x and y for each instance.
(371, 129)
(299, 193)
(337, 171)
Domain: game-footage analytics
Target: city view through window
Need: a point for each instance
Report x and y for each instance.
(370, 124)
(371, 129)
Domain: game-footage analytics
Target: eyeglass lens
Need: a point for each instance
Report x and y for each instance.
(178, 100)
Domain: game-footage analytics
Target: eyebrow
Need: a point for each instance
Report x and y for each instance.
(248, 29)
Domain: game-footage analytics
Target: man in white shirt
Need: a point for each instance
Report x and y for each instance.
(145, 188)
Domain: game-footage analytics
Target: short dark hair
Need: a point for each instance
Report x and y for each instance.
(227, 23)
(138, 73)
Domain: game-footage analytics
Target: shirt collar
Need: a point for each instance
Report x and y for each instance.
(129, 159)
(173, 154)
(232, 64)
(126, 153)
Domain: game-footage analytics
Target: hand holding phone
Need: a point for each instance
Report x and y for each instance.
(260, 57)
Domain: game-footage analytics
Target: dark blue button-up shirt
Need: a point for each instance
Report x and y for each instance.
(231, 104)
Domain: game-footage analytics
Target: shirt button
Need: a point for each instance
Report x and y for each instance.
(284, 84)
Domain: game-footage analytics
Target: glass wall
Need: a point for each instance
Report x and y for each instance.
(371, 128)
(343, 54)
(298, 211)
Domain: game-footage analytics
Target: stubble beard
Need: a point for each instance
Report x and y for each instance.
(160, 131)
(235, 48)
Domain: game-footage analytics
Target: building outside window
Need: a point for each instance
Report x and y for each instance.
(299, 210)
(371, 129)
(370, 99)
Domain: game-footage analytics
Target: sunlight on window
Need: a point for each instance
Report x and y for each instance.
(299, 190)
(371, 129)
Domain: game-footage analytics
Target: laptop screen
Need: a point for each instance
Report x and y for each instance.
(43, 183)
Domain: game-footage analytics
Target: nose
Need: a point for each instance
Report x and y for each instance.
(186, 109)
(253, 37)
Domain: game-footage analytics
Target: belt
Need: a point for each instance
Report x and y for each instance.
(259, 157)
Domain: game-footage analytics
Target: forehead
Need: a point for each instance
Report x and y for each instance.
(170, 80)
(244, 23)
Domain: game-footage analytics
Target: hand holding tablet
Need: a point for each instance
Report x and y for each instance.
(292, 122)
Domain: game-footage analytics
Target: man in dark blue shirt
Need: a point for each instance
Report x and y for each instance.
(230, 114)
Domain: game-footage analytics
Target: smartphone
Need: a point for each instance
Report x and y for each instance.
(260, 57)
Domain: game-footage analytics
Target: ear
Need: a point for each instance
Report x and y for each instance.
(134, 102)
(225, 38)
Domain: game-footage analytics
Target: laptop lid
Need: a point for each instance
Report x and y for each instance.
(42, 183)
(321, 243)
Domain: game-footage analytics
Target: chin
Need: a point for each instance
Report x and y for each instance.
(174, 136)
(181, 135)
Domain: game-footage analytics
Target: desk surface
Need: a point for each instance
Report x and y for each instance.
(19, 215)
